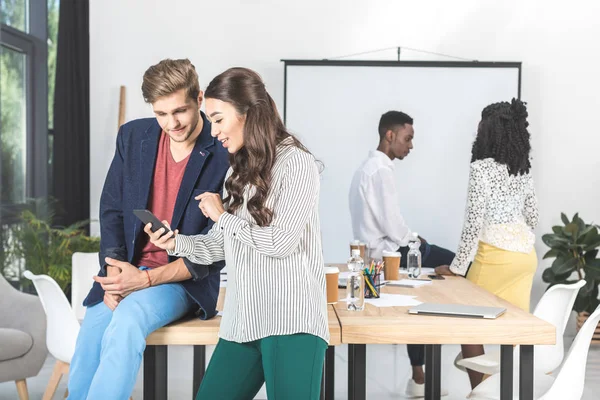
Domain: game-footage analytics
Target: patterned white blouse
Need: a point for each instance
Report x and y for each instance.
(275, 274)
(501, 211)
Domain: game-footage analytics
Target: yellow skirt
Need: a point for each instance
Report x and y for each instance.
(507, 274)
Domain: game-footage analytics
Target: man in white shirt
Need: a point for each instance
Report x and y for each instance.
(376, 217)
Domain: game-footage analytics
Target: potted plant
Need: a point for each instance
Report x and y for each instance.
(574, 247)
(39, 246)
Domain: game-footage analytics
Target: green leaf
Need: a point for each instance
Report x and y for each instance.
(587, 289)
(587, 301)
(590, 256)
(564, 219)
(571, 230)
(553, 253)
(562, 266)
(581, 302)
(592, 269)
(592, 246)
(552, 240)
(557, 230)
(587, 230)
(548, 276)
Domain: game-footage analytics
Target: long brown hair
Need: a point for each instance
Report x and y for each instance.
(263, 131)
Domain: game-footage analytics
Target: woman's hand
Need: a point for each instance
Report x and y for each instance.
(444, 270)
(166, 241)
(211, 205)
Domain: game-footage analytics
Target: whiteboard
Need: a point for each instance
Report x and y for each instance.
(334, 109)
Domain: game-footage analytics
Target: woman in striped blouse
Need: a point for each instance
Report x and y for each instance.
(274, 327)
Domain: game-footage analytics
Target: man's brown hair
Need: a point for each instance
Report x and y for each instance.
(169, 76)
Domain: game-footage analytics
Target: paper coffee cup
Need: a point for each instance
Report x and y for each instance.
(391, 265)
(332, 275)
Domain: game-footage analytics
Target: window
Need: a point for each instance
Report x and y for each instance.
(14, 13)
(23, 101)
(13, 120)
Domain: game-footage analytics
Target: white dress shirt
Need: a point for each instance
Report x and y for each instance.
(375, 206)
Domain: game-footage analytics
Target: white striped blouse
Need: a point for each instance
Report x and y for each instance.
(275, 275)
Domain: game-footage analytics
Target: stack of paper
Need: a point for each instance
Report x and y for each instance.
(412, 283)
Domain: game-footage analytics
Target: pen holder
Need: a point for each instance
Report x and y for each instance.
(372, 285)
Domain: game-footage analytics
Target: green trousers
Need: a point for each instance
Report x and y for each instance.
(291, 366)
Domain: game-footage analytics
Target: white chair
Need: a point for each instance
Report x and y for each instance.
(84, 267)
(570, 380)
(554, 307)
(62, 327)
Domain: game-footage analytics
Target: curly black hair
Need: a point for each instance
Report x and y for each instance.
(503, 136)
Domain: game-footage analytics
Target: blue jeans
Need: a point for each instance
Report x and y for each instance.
(110, 344)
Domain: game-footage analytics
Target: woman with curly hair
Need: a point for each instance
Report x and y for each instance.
(274, 328)
(501, 212)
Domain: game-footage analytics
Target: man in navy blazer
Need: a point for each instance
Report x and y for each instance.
(160, 164)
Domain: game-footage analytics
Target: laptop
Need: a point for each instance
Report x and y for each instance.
(457, 310)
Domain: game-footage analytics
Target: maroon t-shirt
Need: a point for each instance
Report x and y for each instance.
(161, 201)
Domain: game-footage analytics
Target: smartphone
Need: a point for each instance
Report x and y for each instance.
(147, 217)
(439, 277)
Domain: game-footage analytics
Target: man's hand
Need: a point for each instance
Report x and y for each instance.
(112, 300)
(444, 270)
(128, 281)
(166, 241)
(211, 205)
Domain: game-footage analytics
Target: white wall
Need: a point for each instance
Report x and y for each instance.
(556, 41)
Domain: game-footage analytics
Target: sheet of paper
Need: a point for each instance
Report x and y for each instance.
(394, 300)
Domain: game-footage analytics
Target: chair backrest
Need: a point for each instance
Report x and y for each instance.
(84, 267)
(62, 326)
(555, 307)
(569, 383)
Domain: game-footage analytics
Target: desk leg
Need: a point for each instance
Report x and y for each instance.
(199, 368)
(433, 358)
(526, 373)
(506, 372)
(155, 373)
(328, 382)
(357, 371)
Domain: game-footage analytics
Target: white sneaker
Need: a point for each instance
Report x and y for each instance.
(416, 390)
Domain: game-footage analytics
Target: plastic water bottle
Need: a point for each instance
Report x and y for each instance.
(355, 285)
(413, 260)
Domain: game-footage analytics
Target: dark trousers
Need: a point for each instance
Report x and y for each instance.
(431, 256)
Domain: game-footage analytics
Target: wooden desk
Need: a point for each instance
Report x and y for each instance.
(199, 333)
(393, 325)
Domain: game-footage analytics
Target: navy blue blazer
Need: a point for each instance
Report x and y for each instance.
(127, 187)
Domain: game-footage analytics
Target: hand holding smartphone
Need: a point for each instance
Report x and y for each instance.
(147, 217)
